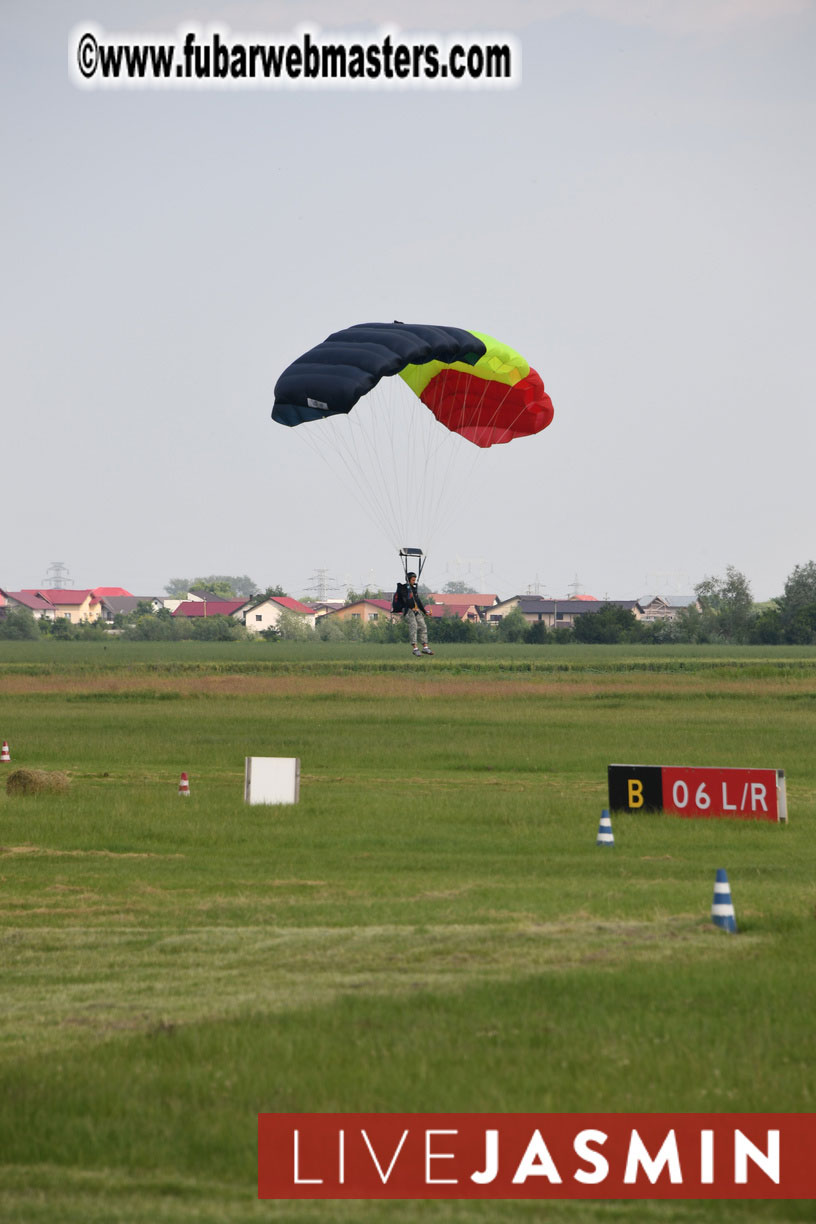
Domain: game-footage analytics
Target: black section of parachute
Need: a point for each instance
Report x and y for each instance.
(334, 375)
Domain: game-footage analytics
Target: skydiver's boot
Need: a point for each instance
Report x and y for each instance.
(425, 650)
(416, 650)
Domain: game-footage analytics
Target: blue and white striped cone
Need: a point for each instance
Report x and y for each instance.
(722, 907)
(605, 835)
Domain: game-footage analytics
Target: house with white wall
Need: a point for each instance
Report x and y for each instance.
(265, 614)
(666, 608)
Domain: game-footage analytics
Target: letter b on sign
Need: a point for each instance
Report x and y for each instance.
(635, 788)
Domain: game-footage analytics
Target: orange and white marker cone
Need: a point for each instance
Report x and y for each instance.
(184, 785)
(5, 755)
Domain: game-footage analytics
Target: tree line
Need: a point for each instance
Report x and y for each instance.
(726, 614)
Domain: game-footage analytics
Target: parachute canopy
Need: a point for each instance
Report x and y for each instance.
(474, 385)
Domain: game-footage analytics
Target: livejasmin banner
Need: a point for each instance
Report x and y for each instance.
(536, 1156)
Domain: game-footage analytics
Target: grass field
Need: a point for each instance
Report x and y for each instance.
(431, 928)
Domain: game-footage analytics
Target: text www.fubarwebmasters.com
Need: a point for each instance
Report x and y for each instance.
(213, 58)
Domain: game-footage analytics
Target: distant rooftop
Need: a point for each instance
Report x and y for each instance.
(210, 607)
(478, 598)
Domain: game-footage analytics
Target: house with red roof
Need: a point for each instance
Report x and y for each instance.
(470, 606)
(71, 605)
(65, 603)
(465, 612)
(197, 595)
(364, 610)
(111, 592)
(267, 611)
(35, 603)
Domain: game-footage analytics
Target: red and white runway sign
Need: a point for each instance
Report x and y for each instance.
(747, 794)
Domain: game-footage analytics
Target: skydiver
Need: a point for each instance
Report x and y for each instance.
(408, 601)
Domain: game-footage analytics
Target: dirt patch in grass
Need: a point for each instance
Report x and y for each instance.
(296, 883)
(125, 854)
(391, 685)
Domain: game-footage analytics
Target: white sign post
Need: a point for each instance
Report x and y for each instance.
(272, 780)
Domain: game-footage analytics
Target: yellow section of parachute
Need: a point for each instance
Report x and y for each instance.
(500, 363)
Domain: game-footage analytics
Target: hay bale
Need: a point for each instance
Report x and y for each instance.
(37, 782)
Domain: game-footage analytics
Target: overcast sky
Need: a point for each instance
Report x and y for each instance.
(636, 218)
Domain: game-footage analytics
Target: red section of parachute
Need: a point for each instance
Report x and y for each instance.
(488, 412)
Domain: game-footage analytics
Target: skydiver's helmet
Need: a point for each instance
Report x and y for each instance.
(411, 575)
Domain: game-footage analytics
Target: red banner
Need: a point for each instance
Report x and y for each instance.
(536, 1156)
(750, 793)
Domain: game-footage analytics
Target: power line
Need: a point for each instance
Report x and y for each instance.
(322, 585)
(57, 576)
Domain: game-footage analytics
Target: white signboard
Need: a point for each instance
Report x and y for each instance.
(272, 780)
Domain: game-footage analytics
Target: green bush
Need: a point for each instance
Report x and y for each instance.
(150, 628)
(610, 624)
(19, 626)
(62, 629)
(513, 627)
(767, 629)
(212, 629)
(537, 634)
(293, 628)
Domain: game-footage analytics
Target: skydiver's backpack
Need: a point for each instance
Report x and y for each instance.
(400, 599)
